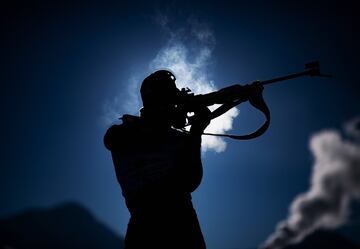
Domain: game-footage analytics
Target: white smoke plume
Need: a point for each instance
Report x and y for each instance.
(188, 54)
(128, 101)
(189, 63)
(335, 182)
(192, 74)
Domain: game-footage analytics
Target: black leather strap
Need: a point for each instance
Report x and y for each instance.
(256, 101)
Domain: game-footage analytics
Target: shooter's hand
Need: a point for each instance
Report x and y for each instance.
(244, 92)
(255, 88)
(200, 120)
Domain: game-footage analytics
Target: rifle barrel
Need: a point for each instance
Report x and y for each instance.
(287, 77)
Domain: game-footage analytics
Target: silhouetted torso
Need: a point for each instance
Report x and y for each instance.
(157, 168)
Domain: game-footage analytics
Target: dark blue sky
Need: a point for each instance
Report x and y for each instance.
(60, 63)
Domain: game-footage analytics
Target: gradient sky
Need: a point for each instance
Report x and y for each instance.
(62, 63)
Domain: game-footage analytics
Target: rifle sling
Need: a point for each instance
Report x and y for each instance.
(256, 101)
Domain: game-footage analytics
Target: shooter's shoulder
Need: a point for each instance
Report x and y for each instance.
(121, 132)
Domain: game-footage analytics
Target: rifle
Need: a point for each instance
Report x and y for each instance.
(311, 69)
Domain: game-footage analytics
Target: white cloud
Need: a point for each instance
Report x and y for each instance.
(352, 128)
(127, 101)
(335, 181)
(190, 66)
(188, 54)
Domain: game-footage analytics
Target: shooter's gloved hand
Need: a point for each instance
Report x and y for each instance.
(200, 120)
(255, 88)
(245, 92)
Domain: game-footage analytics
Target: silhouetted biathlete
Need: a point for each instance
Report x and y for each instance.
(158, 166)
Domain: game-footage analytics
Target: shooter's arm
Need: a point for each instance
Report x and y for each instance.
(228, 97)
(229, 94)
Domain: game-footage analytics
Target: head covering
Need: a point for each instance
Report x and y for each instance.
(159, 89)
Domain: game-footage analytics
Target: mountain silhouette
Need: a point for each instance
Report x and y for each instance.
(325, 240)
(330, 239)
(65, 226)
(351, 231)
(72, 226)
